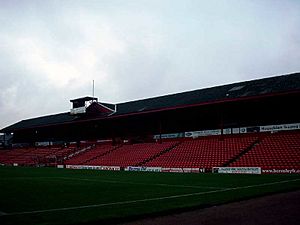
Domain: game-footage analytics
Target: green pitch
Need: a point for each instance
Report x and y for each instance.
(61, 196)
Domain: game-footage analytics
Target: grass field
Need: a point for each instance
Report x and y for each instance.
(61, 196)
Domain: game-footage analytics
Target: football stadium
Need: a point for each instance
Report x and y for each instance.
(106, 163)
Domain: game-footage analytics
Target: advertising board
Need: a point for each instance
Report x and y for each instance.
(86, 167)
(281, 171)
(143, 169)
(270, 128)
(182, 170)
(202, 133)
(237, 170)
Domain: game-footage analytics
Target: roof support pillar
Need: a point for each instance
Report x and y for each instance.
(160, 131)
(221, 120)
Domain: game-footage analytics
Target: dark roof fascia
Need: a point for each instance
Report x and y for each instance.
(255, 87)
(87, 98)
(246, 98)
(240, 83)
(10, 128)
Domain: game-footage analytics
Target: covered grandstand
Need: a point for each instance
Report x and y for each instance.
(247, 124)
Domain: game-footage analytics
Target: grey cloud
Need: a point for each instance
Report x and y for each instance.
(136, 49)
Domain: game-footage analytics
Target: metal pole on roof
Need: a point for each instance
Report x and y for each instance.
(93, 89)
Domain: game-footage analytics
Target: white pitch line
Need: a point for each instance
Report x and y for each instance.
(147, 199)
(2, 213)
(21, 178)
(116, 182)
(137, 183)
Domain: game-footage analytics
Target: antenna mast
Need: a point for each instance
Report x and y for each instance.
(93, 89)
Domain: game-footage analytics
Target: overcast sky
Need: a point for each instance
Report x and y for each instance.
(50, 51)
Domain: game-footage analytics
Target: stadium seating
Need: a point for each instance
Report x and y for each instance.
(266, 150)
(20, 156)
(131, 154)
(274, 151)
(35, 156)
(90, 154)
(206, 152)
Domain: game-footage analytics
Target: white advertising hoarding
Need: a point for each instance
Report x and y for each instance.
(143, 169)
(270, 128)
(86, 167)
(183, 170)
(195, 134)
(237, 170)
(281, 171)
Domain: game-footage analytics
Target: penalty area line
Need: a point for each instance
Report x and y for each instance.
(117, 182)
(139, 183)
(147, 199)
(2, 213)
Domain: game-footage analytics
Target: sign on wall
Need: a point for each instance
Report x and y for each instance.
(270, 128)
(85, 167)
(237, 170)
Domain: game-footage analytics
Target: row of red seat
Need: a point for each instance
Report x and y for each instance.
(93, 152)
(275, 151)
(204, 152)
(131, 155)
(271, 151)
(34, 156)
